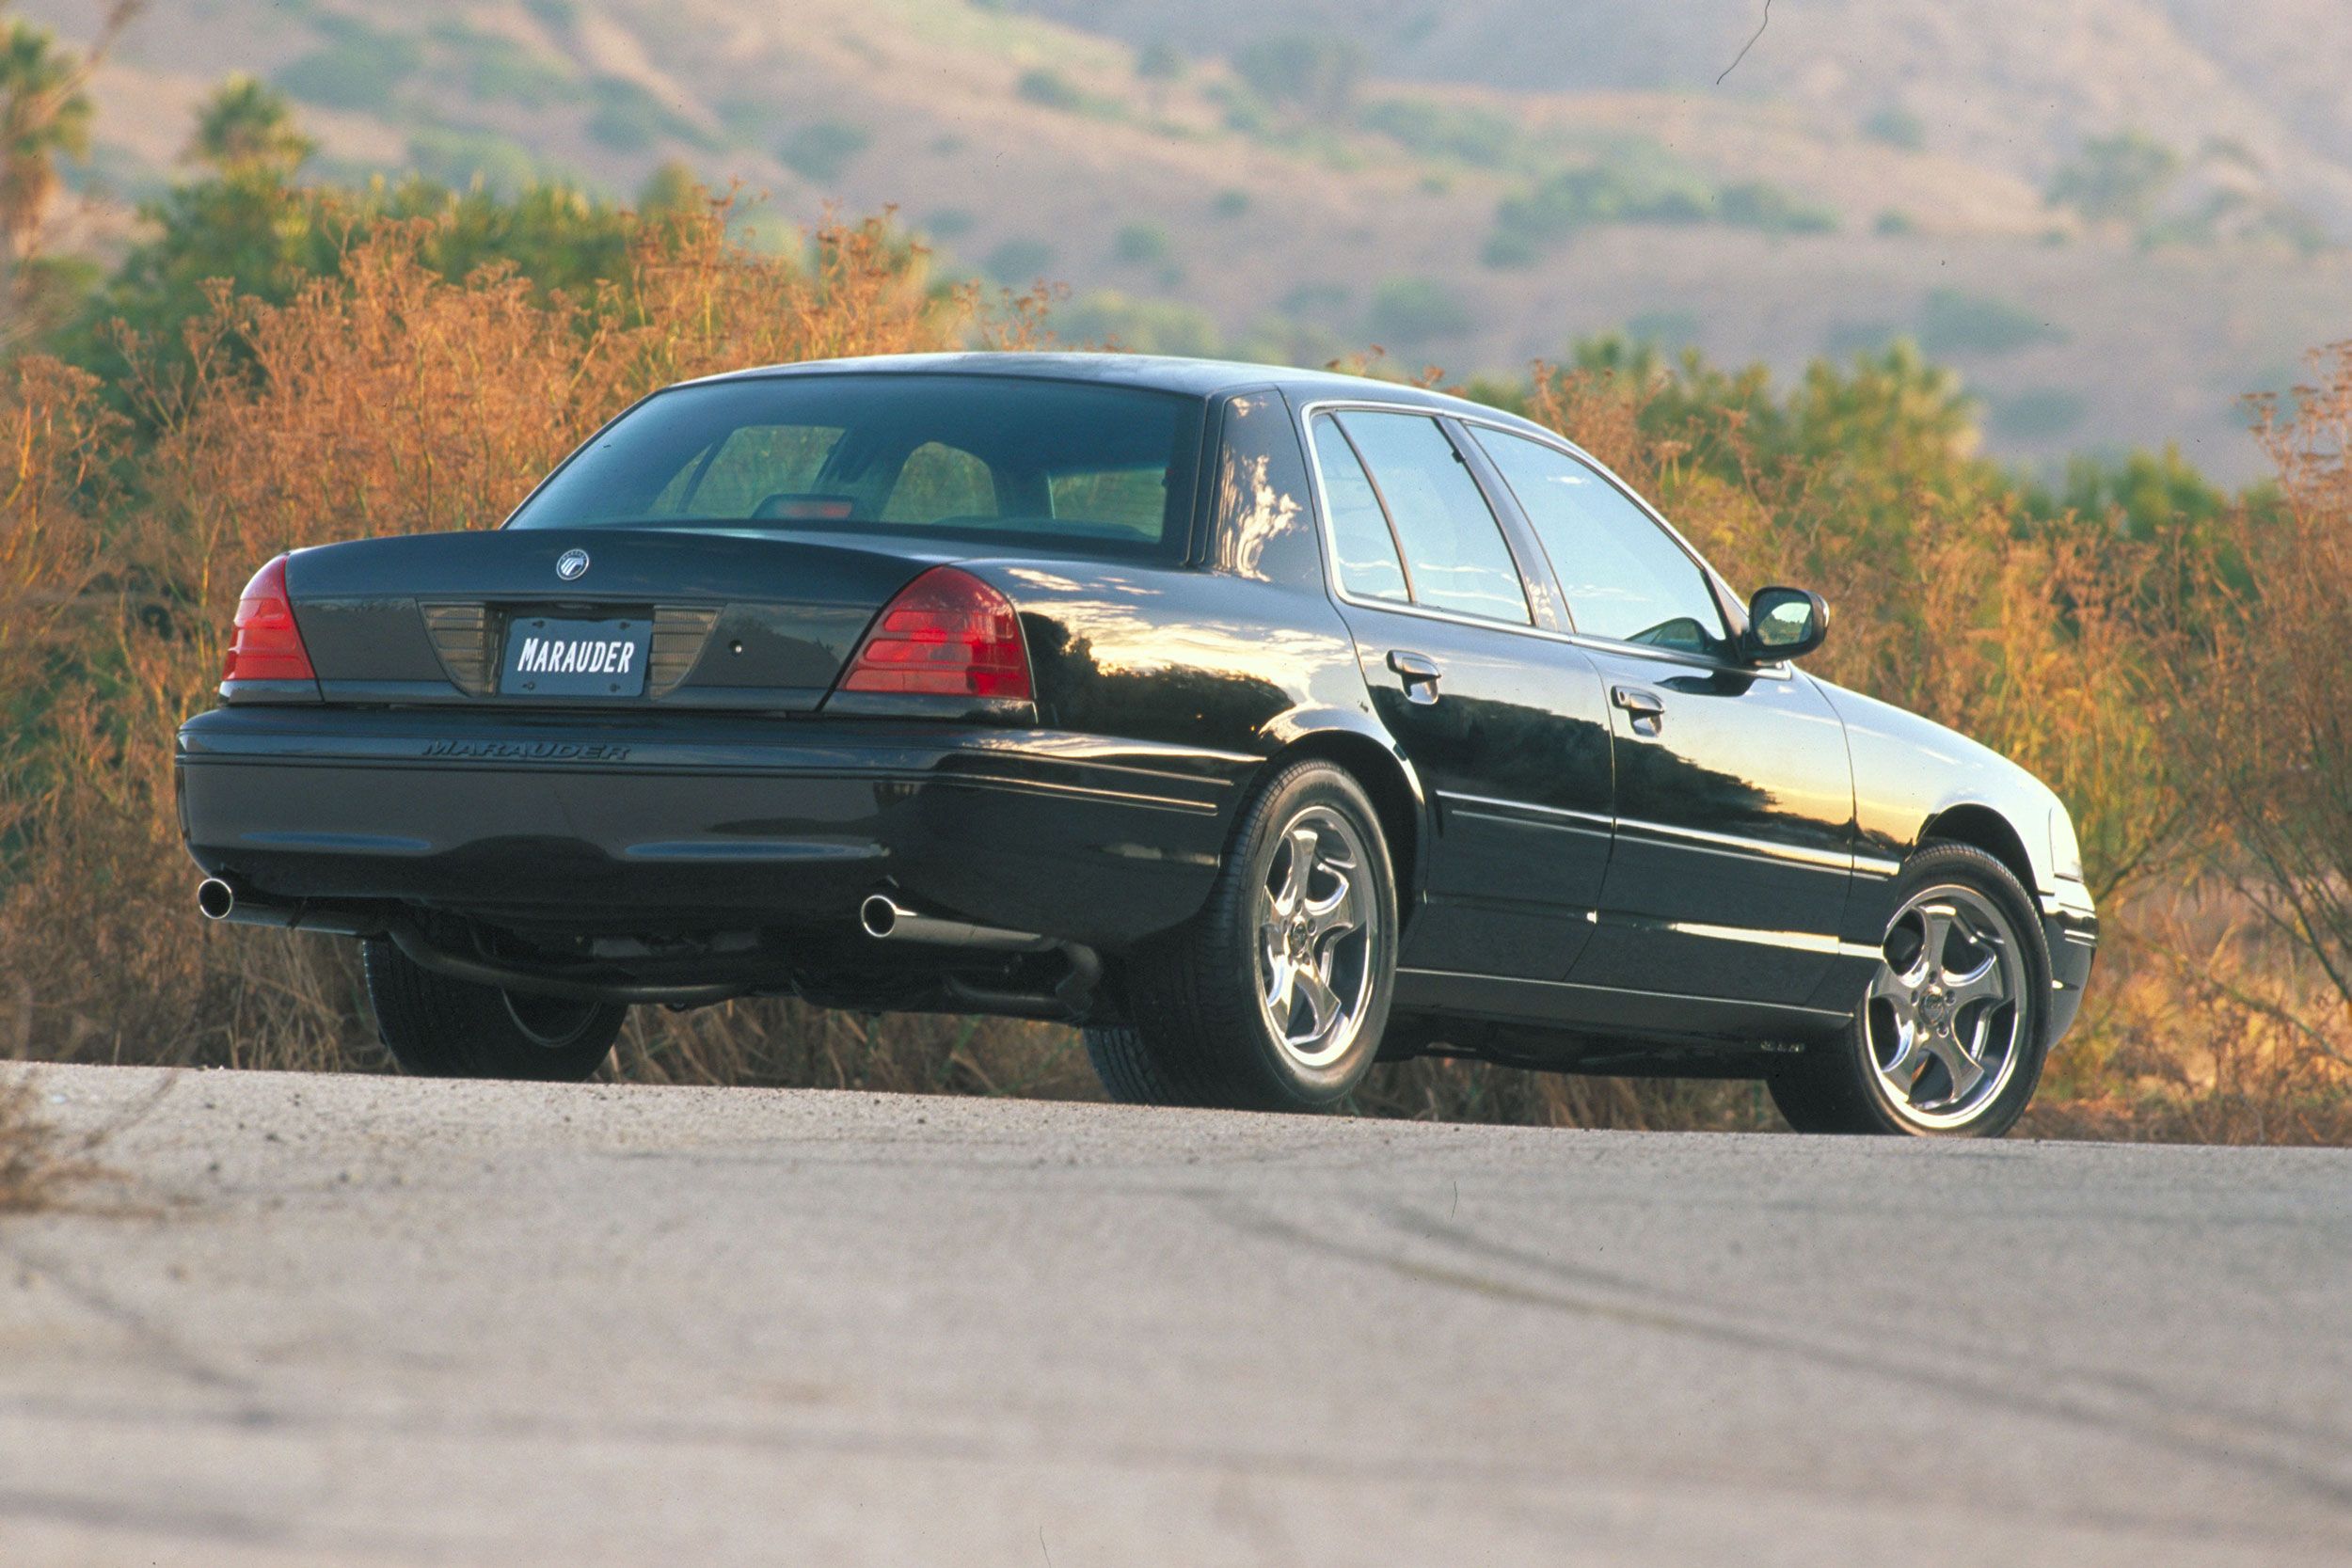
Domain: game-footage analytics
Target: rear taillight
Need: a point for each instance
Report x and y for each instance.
(268, 645)
(947, 634)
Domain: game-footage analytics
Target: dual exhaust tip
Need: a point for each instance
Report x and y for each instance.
(883, 917)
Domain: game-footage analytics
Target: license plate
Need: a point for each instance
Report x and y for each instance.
(575, 658)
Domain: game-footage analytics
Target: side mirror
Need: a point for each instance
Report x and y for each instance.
(1783, 623)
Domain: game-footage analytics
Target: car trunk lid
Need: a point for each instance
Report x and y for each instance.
(594, 617)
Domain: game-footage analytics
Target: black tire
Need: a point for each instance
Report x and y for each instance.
(437, 1027)
(1839, 1086)
(1202, 1033)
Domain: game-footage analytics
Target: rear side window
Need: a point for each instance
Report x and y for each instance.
(1454, 557)
(1369, 567)
(1623, 574)
(990, 459)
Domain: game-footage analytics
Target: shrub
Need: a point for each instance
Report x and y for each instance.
(2038, 414)
(359, 70)
(2116, 179)
(1483, 139)
(1410, 313)
(1017, 261)
(821, 149)
(1050, 89)
(1897, 127)
(1952, 321)
(1313, 72)
(1140, 245)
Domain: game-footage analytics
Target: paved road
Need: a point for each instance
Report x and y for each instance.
(363, 1321)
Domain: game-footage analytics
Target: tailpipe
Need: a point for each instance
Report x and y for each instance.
(215, 898)
(886, 920)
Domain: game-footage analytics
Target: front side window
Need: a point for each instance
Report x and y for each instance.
(987, 458)
(1454, 556)
(1624, 576)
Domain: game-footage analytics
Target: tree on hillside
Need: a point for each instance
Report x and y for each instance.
(246, 124)
(1315, 73)
(2117, 179)
(44, 116)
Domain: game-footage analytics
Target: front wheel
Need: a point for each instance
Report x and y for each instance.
(1949, 1040)
(437, 1027)
(1274, 997)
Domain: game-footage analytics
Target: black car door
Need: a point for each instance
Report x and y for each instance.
(1506, 729)
(1734, 798)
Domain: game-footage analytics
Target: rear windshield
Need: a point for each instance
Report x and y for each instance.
(986, 458)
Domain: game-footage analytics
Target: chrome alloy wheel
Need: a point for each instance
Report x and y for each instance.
(1945, 1016)
(1316, 911)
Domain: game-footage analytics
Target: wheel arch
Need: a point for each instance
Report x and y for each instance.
(1986, 828)
(1395, 789)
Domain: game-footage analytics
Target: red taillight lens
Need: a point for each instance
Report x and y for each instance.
(268, 645)
(947, 634)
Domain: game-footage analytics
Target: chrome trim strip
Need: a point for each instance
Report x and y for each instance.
(1869, 866)
(1797, 942)
(1589, 818)
(1827, 859)
(1307, 413)
(1621, 991)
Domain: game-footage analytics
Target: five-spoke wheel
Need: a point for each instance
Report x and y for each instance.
(1943, 1012)
(1314, 941)
(1274, 997)
(1948, 1038)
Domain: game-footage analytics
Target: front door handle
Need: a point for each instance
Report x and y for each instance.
(1646, 708)
(1419, 673)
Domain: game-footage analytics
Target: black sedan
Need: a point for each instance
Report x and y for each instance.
(1265, 723)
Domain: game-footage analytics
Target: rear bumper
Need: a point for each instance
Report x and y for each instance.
(693, 822)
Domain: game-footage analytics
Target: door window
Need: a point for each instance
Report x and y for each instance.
(1624, 576)
(1359, 530)
(1454, 557)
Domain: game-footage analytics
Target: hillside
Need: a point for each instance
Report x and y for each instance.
(1487, 183)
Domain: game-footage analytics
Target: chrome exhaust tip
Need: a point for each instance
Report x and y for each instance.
(215, 898)
(880, 915)
(887, 920)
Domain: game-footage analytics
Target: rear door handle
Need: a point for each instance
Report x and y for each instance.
(1419, 671)
(1646, 708)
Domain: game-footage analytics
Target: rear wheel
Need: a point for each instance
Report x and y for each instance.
(1948, 1041)
(437, 1027)
(1274, 997)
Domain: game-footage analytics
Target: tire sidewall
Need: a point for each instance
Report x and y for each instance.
(1974, 869)
(1327, 785)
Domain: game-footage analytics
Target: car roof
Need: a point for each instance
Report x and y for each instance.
(1202, 378)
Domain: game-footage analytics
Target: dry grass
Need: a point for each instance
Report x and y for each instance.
(38, 1162)
(390, 399)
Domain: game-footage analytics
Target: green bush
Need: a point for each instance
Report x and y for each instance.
(821, 149)
(1952, 321)
(1051, 88)
(1138, 326)
(1483, 139)
(1019, 260)
(359, 70)
(628, 118)
(1897, 127)
(1142, 244)
(1408, 313)
(1315, 71)
(2037, 414)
